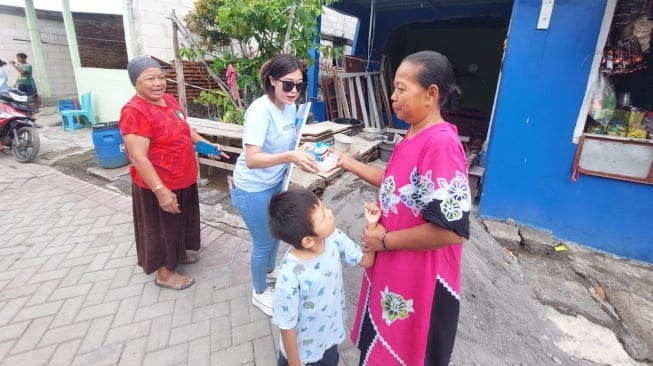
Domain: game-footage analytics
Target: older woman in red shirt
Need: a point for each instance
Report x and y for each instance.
(165, 200)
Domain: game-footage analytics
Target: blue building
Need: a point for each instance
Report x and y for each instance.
(536, 97)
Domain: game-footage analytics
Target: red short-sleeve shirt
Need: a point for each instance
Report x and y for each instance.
(171, 149)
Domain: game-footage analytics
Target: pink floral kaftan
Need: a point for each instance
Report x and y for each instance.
(409, 300)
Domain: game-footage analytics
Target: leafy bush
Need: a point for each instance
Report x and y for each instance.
(246, 33)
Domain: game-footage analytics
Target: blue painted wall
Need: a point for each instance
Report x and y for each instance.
(530, 153)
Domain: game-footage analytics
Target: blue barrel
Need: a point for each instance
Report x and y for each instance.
(109, 148)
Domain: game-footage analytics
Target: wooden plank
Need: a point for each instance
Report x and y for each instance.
(374, 115)
(216, 163)
(396, 130)
(341, 98)
(361, 99)
(357, 74)
(351, 98)
(215, 128)
(310, 181)
(316, 129)
(214, 124)
(324, 127)
(386, 101)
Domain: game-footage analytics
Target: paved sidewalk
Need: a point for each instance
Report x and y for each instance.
(71, 292)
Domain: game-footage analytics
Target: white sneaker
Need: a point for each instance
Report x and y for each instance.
(263, 301)
(272, 276)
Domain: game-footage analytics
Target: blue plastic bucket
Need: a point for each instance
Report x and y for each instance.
(109, 148)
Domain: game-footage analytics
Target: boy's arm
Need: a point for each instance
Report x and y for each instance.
(18, 68)
(367, 260)
(289, 337)
(372, 215)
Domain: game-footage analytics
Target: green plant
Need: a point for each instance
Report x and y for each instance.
(246, 33)
(218, 102)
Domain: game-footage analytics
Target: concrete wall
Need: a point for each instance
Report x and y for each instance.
(338, 24)
(14, 38)
(530, 154)
(110, 90)
(152, 29)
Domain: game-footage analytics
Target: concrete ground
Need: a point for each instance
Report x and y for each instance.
(523, 302)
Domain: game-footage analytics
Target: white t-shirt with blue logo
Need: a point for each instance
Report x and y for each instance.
(310, 297)
(274, 131)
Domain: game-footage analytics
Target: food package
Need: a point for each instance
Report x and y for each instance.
(604, 100)
(636, 131)
(327, 162)
(596, 129)
(635, 117)
(617, 128)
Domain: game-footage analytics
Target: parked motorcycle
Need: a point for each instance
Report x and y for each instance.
(18, 127)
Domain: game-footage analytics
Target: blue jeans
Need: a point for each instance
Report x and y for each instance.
(253, 208)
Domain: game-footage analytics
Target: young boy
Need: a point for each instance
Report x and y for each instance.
(309, 298)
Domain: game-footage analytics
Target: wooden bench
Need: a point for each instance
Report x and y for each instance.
(227, 134)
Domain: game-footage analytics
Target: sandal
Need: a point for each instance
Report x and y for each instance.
(177, 282)
(191, 257)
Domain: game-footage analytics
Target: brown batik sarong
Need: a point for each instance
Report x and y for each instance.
(162, 238)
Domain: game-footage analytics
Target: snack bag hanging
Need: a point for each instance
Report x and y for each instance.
(603, 101)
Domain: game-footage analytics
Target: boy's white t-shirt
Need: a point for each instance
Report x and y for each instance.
(274, 131)
(310, 297)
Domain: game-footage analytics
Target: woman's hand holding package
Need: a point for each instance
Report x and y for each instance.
(222, 155)
(304, 161)
(341, 157)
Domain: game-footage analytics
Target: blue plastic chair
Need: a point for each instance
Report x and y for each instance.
(68, 116)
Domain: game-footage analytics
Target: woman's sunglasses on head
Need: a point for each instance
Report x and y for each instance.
(288, 86)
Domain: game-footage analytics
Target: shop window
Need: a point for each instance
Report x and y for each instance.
(614, 157)
(614, 131)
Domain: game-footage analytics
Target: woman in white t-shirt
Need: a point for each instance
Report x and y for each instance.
(268, 150)
(4, 87)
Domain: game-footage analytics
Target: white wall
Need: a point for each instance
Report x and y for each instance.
(335, 23)
(153, 29)
(110, 90)
(14, 38)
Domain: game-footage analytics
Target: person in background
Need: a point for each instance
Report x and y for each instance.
(165, 201)
(410, 298)
(269, 135)
(4, 87)
(309, 296)
(25, 82)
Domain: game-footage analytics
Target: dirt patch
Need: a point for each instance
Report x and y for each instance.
(77, 166)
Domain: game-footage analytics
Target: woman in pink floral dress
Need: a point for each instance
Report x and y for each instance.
(410, 299)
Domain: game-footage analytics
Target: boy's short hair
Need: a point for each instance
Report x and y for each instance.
(289, 215)
(21, 55)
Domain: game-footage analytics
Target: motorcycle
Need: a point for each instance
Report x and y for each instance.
(18, 127)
